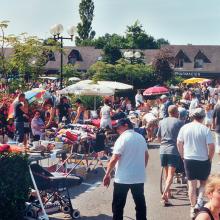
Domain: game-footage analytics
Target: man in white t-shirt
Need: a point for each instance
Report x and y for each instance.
(196, 147)
(130, 157)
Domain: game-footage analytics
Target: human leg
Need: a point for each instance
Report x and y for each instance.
(192, 184)
(119, 199)
(169, 180)
(20, 131)
(137, 191)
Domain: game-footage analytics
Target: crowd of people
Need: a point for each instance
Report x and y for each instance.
(180, 121)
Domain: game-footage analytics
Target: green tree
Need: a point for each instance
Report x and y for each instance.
(3, 41)
(86, 11)
(162, 66)
(161, 42)
(138, 75)
(138, 39)
(29, 56)
(111, 54)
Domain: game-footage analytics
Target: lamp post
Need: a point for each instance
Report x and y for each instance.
(56, 31)
(132, 57)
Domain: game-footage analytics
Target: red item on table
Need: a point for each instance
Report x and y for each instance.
(71, 136)
(96, 122)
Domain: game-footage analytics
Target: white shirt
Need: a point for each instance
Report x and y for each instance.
(130, 169)
(138, 99)
(193, 105)
(195, 137)
(105, 110)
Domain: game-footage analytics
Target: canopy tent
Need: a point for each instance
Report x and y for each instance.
(48, 77)
(110, 84)
(74, 79)
(87, 89)
(193, 80)
(156, 90)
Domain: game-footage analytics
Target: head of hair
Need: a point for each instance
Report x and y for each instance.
(37, 111)
(212, 182)
(21, 95)
(62, 99)
(78, 101)
(172, 110)
(193, 94)
(106, 101)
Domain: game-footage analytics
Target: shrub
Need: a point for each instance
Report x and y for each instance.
(14, 185)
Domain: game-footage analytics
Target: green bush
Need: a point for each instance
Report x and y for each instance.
(14, 185)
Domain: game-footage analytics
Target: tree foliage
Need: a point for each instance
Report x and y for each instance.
(86, 11)
(135, 38)
(162, 66)
(138, 75)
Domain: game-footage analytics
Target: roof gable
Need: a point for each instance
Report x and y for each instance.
(201, 55)
(182, 55)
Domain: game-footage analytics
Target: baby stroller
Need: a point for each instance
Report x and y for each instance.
(49, 198)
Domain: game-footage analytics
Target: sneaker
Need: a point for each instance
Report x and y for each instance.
(192, 212)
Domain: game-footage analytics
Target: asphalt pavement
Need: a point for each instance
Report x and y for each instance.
(94, 200)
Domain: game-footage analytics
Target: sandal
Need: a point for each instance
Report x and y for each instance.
(165, 203)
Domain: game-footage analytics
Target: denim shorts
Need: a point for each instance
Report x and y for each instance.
(169, 160)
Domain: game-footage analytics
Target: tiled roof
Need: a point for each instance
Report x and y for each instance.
(211, 52)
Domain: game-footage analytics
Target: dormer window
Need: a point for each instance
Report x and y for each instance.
(180, 59)
(51, 56)
(198, 63)
(200, 59)
(179, 63)
(74, 56)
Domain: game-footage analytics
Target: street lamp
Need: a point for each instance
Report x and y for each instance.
(56, 31)
(132, 56)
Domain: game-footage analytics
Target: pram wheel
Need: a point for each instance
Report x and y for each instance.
(75, 214)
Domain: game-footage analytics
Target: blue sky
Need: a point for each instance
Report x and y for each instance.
(179, 21)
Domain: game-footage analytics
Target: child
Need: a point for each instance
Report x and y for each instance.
(208, 115)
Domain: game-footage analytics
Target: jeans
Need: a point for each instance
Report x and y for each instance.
(19, 131)
(119, 200)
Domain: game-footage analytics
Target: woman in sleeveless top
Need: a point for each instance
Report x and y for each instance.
(211, 210)
(79, 119)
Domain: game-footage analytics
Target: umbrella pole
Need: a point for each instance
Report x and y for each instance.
(95, 103)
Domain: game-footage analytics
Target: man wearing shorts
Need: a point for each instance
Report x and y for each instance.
(167, 134)
(196, 147)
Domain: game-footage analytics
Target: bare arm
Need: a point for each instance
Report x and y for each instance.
(203, 216)
(110, 167)
(180, 148)
(146, 158)
(211, 151)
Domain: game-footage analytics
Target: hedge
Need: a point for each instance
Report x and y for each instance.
(14, 185)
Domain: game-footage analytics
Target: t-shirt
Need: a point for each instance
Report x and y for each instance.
(105, 110)
(130, 169)
(193, 105)
(168, 131)
(195, 137)
(18, 113)
(138, 99)
(216, 114)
